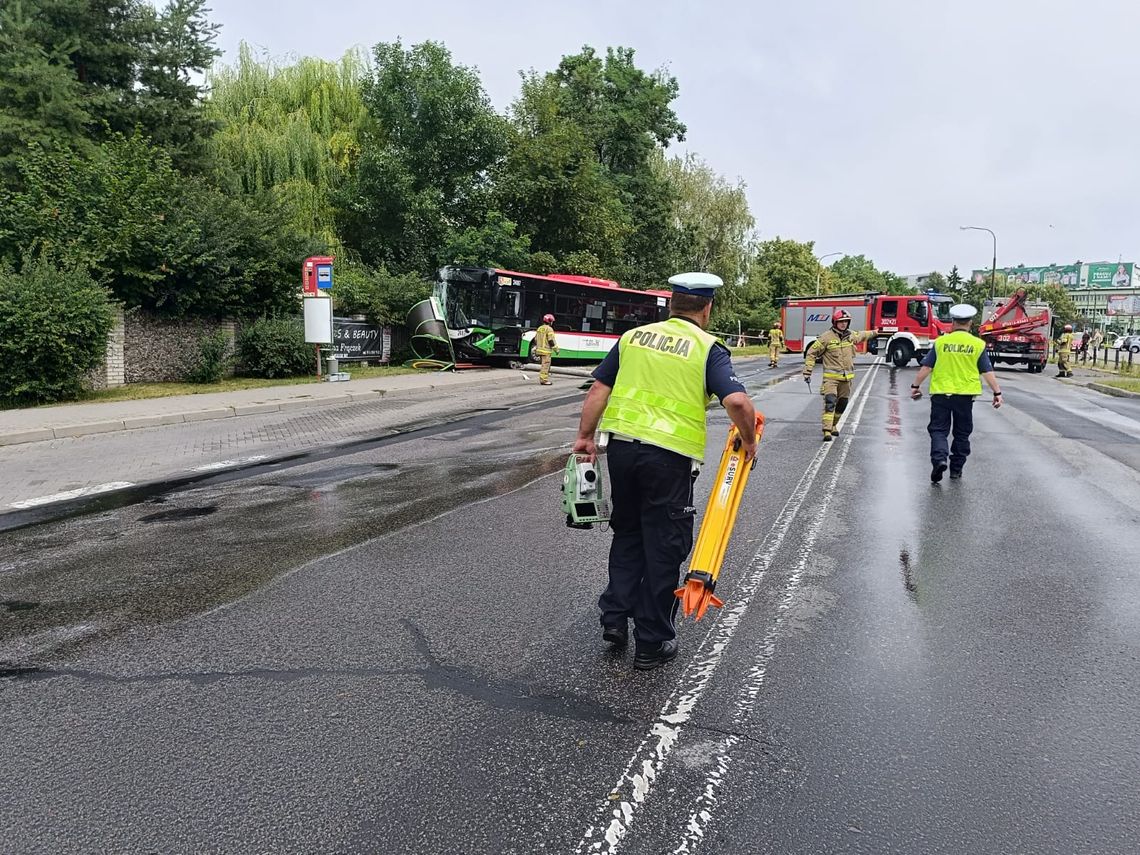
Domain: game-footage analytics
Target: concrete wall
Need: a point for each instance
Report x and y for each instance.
(113, 370)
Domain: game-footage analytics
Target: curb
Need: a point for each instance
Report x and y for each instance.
(1112, 390)
(213, 413)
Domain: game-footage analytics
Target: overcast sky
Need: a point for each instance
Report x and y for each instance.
(869, 126)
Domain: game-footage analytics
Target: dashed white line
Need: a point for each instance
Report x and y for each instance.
(70, 494)
(633, 787)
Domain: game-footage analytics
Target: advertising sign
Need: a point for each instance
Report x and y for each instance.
(1106, 275)
(1065, 275)
(359, 340)
(1123, 305)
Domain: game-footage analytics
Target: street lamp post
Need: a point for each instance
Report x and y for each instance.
(819, 272)
(993, 270)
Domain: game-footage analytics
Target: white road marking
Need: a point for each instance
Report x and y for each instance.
(617, 811)
(227, 464)
(71, 494)
(701, 817)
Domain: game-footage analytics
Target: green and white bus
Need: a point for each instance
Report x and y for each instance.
(478, 314)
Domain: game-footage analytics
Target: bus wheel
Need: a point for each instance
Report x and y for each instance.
(901, 353)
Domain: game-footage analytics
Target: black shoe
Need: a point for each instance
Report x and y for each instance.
(647, 660)
(835, 431)
(936, 472)
(955, 474)
(618, 636)
(827, 437)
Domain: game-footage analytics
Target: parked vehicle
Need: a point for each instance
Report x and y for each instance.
(1127, 342)
(907, 323)
(1075, 344)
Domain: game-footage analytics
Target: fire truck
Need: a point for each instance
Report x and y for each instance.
(907, 323)
(1017, 331)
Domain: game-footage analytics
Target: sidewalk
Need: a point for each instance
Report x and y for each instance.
(71, 420)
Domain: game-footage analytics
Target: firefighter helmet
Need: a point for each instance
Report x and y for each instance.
(548, 318)
(1068, 327)
(839, 317)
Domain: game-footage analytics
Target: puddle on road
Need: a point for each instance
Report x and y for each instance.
(177, 514)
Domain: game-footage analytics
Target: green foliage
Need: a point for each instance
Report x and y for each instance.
(937, 282)
(74, 71)
(424, 162)
(158, 239)
(293, 130)
(955, 282)
(495, 243)
(856, 273)
(214, 359)
(275, 347)
(53, 329)
(788, 267)
(383, 297)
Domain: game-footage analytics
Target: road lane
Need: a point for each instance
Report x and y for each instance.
(442, 687)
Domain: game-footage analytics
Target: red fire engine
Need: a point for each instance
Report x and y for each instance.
(907, 323)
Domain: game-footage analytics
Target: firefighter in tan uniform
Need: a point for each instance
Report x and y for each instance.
(775, 344)
(836, 348)
(545, 344)
(1064, 348)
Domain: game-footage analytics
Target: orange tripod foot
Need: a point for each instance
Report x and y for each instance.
(696, 598)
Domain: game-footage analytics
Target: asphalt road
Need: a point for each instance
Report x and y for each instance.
(395, 649)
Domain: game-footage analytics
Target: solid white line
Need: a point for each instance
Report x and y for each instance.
(701, 817)
(71, 494)
(617, 811)
(226, 464)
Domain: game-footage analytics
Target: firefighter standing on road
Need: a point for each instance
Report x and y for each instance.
(775, 344)
(1064, 346)
(836, 348)
(649, 396)
(956, 364)
(545, 343)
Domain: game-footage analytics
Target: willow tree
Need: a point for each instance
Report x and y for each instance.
(291, 130)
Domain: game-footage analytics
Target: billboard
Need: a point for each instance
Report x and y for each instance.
(1123, 305)
(1107, 275)
(1065, 275)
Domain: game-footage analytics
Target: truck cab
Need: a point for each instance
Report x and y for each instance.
(909, 323)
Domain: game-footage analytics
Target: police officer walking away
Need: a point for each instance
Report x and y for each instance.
(836, 348)
(649, 397)
(545, 343)
(775, 343)
(1064, 345)
(955, 364)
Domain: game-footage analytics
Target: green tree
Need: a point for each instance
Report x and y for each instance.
(552, 184)
(955, 282)
(291, 130)
(495, 243)
(712, 217)
(75, 71)
(787, 267)
(424, 162)
(937, 282)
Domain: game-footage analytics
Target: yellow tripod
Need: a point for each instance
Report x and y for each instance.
(716, 527)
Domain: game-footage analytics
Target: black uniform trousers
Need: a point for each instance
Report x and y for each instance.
(652, 521)
(950, 413)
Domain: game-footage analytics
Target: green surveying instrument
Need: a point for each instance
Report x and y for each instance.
(583, 494)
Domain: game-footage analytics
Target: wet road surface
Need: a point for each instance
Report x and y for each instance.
(395, 649)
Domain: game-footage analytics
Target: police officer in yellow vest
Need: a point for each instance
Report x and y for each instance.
(649, 398)
(545, 344)
(836, 348)
(1064, 348)
(956, 365)
(775, 344)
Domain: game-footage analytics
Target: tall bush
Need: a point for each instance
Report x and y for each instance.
(275, 347)
(53, 329)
